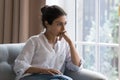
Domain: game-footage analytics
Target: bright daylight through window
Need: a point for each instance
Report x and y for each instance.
(94, 26)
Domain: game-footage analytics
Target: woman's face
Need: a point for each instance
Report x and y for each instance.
(58, 26)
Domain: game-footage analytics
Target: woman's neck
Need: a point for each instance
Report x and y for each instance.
(51, 38)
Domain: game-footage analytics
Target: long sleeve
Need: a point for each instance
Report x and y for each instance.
(23, 61)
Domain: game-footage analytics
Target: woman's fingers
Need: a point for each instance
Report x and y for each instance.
(65, 36)
(53, 72)
(61, 35)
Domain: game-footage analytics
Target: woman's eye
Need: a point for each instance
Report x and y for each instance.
(59, 24)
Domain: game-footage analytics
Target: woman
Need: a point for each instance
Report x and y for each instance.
(45, 55)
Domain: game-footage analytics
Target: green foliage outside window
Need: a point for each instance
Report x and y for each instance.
(108, 55)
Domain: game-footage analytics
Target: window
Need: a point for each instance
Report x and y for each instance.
(94, 26)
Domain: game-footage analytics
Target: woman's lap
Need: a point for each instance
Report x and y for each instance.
(45, 77)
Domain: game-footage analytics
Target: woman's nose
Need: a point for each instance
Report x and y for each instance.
(63, 28)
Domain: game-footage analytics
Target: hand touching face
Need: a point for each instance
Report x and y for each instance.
(64, 35)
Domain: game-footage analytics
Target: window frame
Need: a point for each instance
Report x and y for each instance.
(75, 35)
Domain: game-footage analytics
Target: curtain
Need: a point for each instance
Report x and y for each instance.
(19, 19)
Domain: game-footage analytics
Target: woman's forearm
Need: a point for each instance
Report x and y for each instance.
(42, 70)
(34, 70)
(74, 54)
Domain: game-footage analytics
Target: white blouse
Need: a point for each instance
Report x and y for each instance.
(39, 53)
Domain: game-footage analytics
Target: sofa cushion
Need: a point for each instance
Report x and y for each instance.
(6, 72)
(3, 53)
(8, 53)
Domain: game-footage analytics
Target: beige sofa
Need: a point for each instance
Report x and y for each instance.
(8, 53)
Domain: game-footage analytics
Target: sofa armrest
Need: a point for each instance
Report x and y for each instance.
(85, 74)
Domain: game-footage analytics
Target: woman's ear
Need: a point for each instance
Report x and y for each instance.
(46, 23)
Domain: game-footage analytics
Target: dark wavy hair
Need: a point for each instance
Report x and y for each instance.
(50, 13)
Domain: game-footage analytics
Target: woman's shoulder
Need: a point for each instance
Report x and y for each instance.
(36, 36)
(35, 39)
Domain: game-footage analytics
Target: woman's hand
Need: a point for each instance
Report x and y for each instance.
(65, 36)
(42, 71)
(50, 71)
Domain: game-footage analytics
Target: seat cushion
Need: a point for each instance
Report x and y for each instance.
(3, 53)
(8, 53)
(6, 72)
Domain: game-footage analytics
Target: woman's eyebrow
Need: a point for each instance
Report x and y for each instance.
(60, 22)
(57, 21)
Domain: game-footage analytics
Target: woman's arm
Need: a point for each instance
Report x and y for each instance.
(74, 54)
(42, 70)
